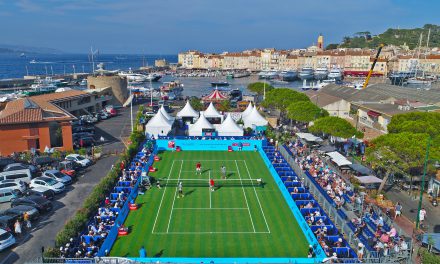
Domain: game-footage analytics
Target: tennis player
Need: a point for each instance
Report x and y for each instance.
(180, 187)
(211, 184)
(199, 168)
(223, 171)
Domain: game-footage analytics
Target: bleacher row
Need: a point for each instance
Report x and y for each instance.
(368, 232)
(302, 197)
(107, 218)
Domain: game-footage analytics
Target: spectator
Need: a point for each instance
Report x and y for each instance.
(398, 210)
(17, 228)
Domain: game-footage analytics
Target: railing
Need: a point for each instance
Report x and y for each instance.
(340, 221)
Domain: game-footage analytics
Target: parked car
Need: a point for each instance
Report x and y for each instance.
(48, 183)
(17, 212)
(6, 195)
(44, 161)
(41, 203)
(40, 191)
(21, 166)
(84, 162)
(58, 176)
(5, 161)
(86, 142)
(13, 185)
(6, 239)
(23, 175)
(7, 222)
(80, 129)
(150, 114)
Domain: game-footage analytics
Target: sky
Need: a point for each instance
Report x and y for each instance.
(172, 26)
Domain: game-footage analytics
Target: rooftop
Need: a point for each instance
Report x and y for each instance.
(38, 108)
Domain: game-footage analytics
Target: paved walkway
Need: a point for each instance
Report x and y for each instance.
(43, 234)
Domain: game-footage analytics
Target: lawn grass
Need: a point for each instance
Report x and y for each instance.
(229, 222)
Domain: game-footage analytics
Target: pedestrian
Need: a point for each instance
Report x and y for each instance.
(142, 252)
(223, 171)
(17, 228)
(398, 210)
(122, 165)
(26, 220)
(422, 215)
(360, 251)
(180, 188)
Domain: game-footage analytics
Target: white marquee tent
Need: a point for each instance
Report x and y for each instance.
(211, 112)
(229, 128)
(309, 137)
(338, 158)
(248, 110)
(159, 125)
(254, 119)
(187, 111)
(165, 114)
(197, 127)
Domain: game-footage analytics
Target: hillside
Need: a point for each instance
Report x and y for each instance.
(396, 37)
(17, 49)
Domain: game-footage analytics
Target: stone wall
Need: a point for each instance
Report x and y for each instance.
(117, 84)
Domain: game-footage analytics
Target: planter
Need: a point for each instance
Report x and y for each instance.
(97, 155)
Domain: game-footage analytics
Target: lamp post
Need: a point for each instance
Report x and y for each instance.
(425, 167)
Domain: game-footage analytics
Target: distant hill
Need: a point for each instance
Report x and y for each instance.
(393, 36)
(13, 49)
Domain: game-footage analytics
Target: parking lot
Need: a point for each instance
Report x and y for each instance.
(43, 231)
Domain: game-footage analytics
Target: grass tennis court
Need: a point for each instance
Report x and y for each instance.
(239, 219)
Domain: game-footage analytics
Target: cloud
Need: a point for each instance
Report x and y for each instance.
(28, 6)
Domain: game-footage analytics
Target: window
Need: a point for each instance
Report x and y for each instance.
(17, 176)
(56, 134)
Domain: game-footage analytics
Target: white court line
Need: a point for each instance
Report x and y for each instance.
(207, 233)
(161, 200)
(261, 208)
(209, 190)
(245, 197)
(212, 208)
(209, 170)
(174, 199)
(207, 160)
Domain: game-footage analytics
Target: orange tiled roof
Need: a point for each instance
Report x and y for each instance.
(37, 108)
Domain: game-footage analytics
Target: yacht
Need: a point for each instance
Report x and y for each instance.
(321, 73)
(41, 86)
(133, 77)
(33, 61)
(288, 76)
(268, 75)
(83, 82)
(335, 74)
(153, 77)
(306, 73)
(418, 82)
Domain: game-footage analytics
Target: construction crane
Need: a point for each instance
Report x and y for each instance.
(372, 66)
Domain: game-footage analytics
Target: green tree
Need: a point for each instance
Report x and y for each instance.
(258, 87)
(224, 106)
(331, 46)
(281, 98)
(416, 122)
(197, 104)
(305, 111)
(335, 126)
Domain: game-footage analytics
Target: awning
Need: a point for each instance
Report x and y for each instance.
(326, 149)
(373, 114)
(368, 179)
(338, 158)
(360, 168)
(309, 137)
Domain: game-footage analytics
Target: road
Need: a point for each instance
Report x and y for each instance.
(410, 206)
(65, 205)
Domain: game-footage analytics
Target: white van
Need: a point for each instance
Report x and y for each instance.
(22, 175)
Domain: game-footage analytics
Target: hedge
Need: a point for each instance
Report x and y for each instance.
(78, 222)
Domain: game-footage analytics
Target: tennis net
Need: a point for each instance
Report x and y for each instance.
(217, 182)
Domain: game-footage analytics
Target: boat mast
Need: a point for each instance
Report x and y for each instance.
(427, 49)
(418, 54)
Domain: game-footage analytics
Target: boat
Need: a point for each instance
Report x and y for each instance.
(306, 73)
(22, 55)
(418, 81)
(399, 78)
(133, 77)
(230, 76)
(33, 61)
(321, 73)
(313, 85)
(268, 75)
(219, 83)
(172, 90)
(41, 86)
(241, 75)
(288, 76)
(83, 82)
(153, 77)
(335, 74)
